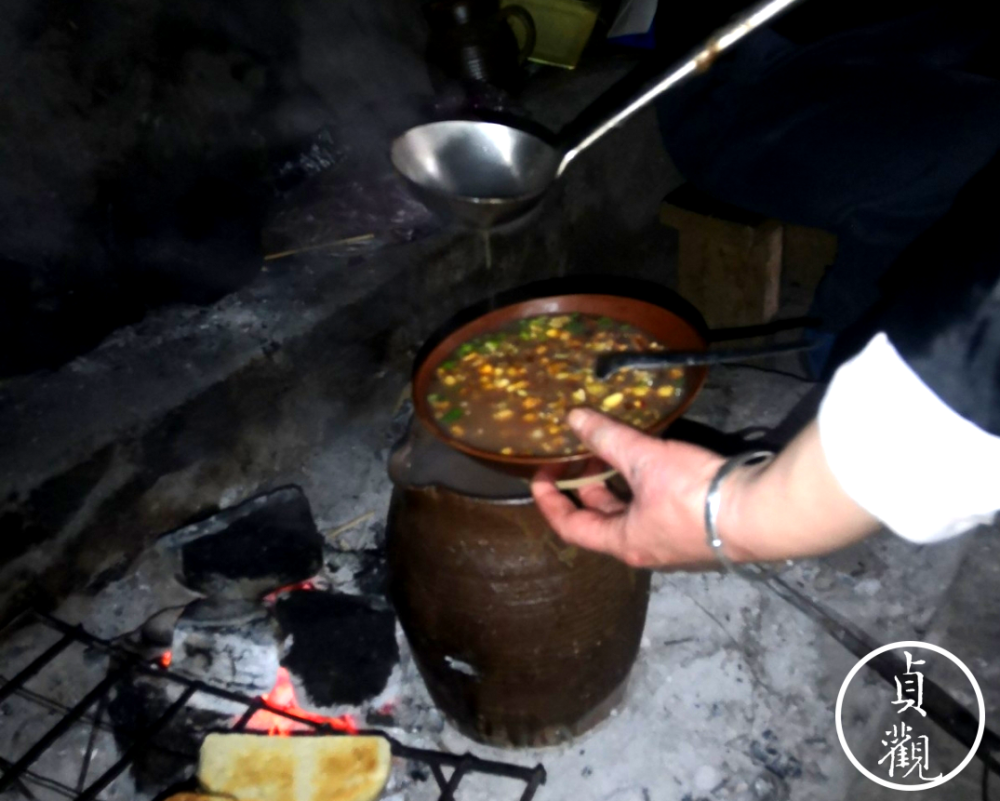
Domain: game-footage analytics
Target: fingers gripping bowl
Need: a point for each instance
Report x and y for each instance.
(543, 347)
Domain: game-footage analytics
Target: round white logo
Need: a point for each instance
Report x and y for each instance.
(908, 755)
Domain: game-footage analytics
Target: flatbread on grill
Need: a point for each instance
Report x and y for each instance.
(250, 767)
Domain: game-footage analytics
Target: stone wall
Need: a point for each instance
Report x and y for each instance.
(141, 144)
(292, 379)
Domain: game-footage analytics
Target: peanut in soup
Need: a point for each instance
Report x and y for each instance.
(509, 391)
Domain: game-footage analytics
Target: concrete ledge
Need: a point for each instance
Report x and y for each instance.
(292, 379)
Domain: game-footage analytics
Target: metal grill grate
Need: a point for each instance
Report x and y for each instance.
(15, 774)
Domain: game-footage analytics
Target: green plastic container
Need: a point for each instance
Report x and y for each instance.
(563, 27)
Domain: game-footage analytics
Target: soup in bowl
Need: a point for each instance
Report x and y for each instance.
(501, 387)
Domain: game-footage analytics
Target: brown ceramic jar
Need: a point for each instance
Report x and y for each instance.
(521, 639)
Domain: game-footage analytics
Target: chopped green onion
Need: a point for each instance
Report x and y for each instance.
(452, 416)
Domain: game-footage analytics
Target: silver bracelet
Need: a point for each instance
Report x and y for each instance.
(713, 500)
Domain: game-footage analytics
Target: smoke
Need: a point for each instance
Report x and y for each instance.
(143, 144)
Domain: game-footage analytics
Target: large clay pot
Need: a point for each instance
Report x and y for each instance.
(521, 639)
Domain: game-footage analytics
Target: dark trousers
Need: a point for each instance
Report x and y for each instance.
(869, 134)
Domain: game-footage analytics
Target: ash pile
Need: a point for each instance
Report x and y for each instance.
(254, 601)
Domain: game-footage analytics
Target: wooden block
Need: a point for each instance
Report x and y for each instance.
(806, 255)
(730, 270)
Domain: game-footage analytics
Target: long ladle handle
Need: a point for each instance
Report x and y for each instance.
(610, 363)
(699, 61)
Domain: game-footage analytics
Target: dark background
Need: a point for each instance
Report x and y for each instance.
(142, 144)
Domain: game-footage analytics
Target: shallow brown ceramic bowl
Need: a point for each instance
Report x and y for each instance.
(665, 326)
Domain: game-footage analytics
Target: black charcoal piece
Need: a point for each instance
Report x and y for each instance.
(265, 543)
(343, 648)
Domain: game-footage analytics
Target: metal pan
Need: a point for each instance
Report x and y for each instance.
(483, 174)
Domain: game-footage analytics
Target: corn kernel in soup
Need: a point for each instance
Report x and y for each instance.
(510, 391)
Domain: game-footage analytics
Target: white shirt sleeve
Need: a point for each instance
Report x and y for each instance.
(902, 454)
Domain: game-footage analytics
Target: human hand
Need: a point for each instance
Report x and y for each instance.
(663, 525)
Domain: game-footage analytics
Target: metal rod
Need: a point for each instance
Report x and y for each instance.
(241, 724)
(537, 780)
(34, 666)
(57, 731)
(478, 764)
(940, 707)
(159, 672)
(609, 363)
(762, 329)
(439, 776)
(42, 781)
(52, 706)
(698, 61)
(456, 777)
(81, 782)
(140, 744)
(19, 785)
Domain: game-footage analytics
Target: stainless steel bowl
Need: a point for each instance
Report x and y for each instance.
(481, 173)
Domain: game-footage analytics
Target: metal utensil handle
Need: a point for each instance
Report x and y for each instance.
(698, 61)
(611, 363)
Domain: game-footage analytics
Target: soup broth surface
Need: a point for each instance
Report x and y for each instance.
(510, 391)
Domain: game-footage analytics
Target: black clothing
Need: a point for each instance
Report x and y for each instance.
(945, 321)
(868, 132)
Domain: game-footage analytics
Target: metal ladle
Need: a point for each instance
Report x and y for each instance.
(483, 174)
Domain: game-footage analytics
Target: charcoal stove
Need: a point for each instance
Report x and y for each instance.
(22, 773)
(238, 614)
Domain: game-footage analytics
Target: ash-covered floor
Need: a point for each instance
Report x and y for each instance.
(732, 695)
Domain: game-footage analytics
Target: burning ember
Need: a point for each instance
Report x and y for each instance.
(282, 696)
(271, 597)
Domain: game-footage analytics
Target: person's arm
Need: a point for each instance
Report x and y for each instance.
(884, 449)
(792, 507)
